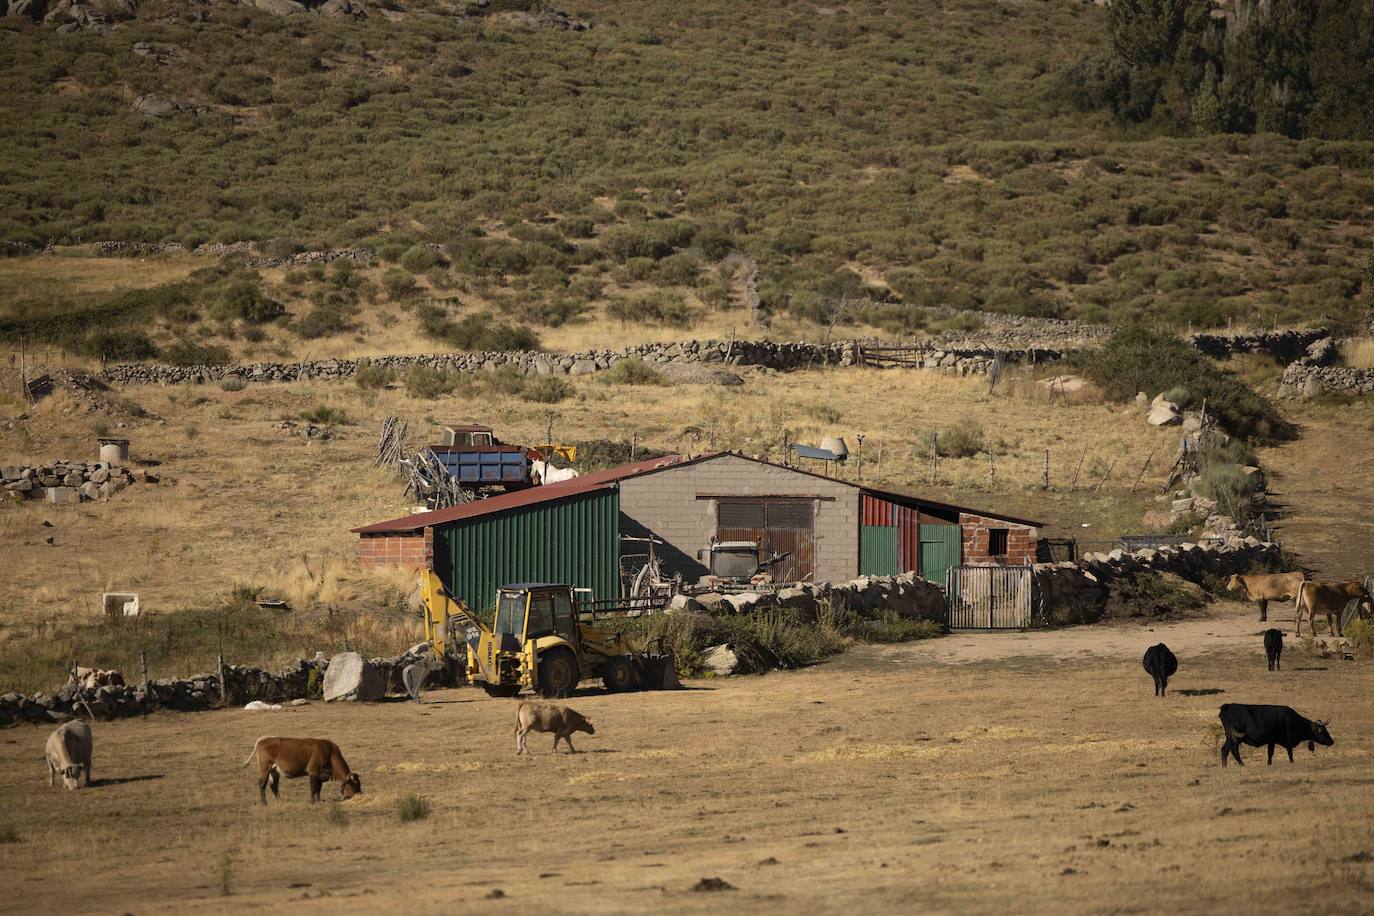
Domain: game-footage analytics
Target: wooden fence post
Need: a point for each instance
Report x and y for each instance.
(1098, 488)
(1143, 468)
(148, 697)
(1078, 467)
(1045, 474)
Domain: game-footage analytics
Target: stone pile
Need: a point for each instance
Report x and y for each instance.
(219, 249)
(1069, 591)
(69, 481)
(908, 595)
(761, 353)
(1305, 380)
(306, 679)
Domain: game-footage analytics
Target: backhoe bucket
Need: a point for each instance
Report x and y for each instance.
(660, 672)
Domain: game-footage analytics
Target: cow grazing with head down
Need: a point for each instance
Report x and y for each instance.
(1273, 647)
(1160, 664)
(1263, 589)
(69, 752)
(1272, 726)
(1329, 598)
(318, 758)
(552, 717)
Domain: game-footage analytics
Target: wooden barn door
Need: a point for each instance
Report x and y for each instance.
(778, 526)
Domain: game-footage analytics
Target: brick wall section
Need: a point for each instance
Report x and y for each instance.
(1021, 541)
(406, 549)
(666, 503)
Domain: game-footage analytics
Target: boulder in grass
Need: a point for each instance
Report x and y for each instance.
(351, 679)
(720, 660)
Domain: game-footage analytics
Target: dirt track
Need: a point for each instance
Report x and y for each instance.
(893, 779)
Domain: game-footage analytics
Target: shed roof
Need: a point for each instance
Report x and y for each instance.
(600, 480)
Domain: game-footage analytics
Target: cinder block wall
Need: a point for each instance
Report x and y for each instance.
(1020, 541)
(406, 549)
(666, 504)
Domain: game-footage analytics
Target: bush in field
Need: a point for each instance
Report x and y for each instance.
(475, 332)
(233, 383)
(1138, 360)
(325, 415)
(323, 321)
(962, 440)
(245, 299)
(1228, 484)
(398, 284)
(658, 307)
(413, 808)
(122, 345)
(419, 258)
(369, 374)
(428, 383)
(186, 353)
(546, 389)
(632, 371)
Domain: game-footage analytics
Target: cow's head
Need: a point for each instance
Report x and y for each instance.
(351, 786)
(1320, 736)
(586, 726)
(70, 777)
(1234, 584)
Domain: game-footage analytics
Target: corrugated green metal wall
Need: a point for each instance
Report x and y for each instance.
(878, 550)
(942, 546)
(575, 541)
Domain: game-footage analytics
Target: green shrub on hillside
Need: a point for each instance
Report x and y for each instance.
(186, 353)
(245, 299)
(545, 389)
(119, 346)
(475, 332)
(659, 307)
(427, 383)
(419, 258)
(632, 371)
(372, 375)
(1136, 360)
(398, 284)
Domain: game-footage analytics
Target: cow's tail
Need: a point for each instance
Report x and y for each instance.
(253, 753)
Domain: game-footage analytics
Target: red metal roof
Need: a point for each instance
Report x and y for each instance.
(587, 483)
(600, 480)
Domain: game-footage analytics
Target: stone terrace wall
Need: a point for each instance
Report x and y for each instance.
(1305, 380)
(1286, 345)
(762, 353)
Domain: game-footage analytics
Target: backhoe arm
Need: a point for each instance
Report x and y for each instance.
(439, 608)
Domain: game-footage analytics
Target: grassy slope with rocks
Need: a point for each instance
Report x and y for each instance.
(876, 155)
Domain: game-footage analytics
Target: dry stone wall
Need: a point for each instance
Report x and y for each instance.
(69, 481)
(766, 354)
(1286, 345)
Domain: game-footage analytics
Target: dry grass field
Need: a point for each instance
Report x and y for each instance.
(900, 779)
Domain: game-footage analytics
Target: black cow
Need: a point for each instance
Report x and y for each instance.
(1160, 664)
(1273, 647)
(1260, 725)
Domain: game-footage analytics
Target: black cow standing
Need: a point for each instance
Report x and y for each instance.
(1258, 726)
(1160, 664)
(1273, 647)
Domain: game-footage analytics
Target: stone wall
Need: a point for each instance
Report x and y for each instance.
(761, 353)
(1066, 590)
(1285, 345)
(69, 481)
(1305, 380)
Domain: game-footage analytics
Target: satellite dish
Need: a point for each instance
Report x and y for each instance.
(836, 447)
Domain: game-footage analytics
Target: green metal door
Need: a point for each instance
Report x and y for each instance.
(878, 550)
(941, 548)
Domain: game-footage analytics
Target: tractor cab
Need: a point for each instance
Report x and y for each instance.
(529, 611)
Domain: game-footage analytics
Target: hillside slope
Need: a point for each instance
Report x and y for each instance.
(882, 154)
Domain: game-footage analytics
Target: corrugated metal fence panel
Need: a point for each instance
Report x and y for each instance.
(876, 512)
(878, 550)
(990, 597)
(941, 546)
(574, 541)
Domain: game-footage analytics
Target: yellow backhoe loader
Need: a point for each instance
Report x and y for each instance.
(538, 642)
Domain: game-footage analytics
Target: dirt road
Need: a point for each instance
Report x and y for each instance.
(943, 776)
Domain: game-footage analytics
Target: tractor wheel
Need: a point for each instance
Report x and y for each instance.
(505, 691)
(558, 674)
(619, 675)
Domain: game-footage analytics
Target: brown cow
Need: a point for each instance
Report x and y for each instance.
(1329, 598)
(318, 758)
(1263, 589)
(560, 720)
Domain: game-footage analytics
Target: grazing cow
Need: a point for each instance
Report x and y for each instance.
(1329, 598)
(1259, 725)
(91, 678)
(560, 720)
(1263, 589)
(318, 758)
(1273, 647)
(1160, 664)
(69, 752)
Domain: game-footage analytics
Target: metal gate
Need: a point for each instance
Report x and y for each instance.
(989, 597)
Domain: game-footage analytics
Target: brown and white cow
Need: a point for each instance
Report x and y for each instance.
(562, 721)
(1263, 589)
(318, 758)
(68, 751)
(1329, 598)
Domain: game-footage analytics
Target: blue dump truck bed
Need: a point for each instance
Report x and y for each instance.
(485, 465)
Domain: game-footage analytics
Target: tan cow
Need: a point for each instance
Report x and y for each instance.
(1263, 589)
(69, 752)
(318, 758)
(1329, 598)
(560, 720)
